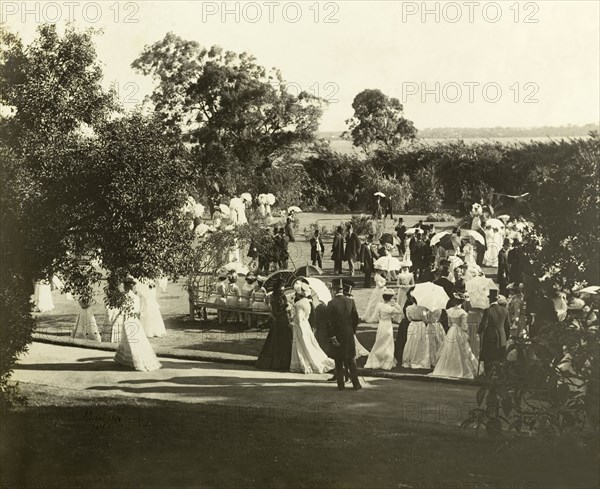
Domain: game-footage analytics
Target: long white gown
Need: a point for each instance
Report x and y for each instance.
(135, 350)
(435, 333)
(86, 327)
(150, 315)
(406, 281)
(382, 353)
(494, 240)
(42, 296)
(456, 358)
(417, 352)
(376, 298)
(307, 355)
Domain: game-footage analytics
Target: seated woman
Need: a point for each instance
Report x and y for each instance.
(258, 298)
(247, 289)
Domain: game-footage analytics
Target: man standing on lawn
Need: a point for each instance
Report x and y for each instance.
(342, 320)
(352, 248)
(337, 250)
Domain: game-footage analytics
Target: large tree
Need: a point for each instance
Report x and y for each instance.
(236, 116)
(378, 122)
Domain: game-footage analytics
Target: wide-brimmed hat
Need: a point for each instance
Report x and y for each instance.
(129, 280)
(387, 292)
(261, 278)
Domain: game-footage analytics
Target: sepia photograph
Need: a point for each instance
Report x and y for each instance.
(348, 244)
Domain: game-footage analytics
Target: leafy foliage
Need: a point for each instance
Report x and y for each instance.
(378, 122)
(236, 115)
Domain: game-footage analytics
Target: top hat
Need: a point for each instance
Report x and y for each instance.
(337, 284)
(493, 295)
(347, 285)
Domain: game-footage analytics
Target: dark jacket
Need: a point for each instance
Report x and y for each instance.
(495, 330)
(515, 264)
(352, 247)
(316, 248)
(289, 231)
(503, 268)
(337, 251)
(342, 320)
(366, 257)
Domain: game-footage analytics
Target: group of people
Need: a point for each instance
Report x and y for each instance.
(274, 253)
(305, 338)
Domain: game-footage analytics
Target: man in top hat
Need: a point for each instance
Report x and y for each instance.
(401, 233)
(368, 263)
(352, 250)
(495, 331)
(515, 262)
(342, 318)
(503, 268)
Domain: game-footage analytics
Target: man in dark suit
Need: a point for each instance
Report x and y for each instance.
(417, 255)
(337, 251)
(342, 319)
(401, 233)
(515, 263)
(366, 257)
(284, 242)
(352, 250)
(494, 330)
(503, 268)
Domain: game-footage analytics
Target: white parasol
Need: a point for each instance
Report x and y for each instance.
(270, 199)
(430, 296)
(411, 231)
(379, 194)
(592, 289)
(387, 263)
(494, 223)
(437, 237)
(320, 289)
(478, 289)
(294, 208)
(469, 233)
(246, 196)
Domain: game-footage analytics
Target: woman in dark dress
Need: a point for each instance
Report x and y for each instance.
(402, 335)
(276, 353)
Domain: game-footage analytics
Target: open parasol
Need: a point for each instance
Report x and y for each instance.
(379, 194)
(430, 296)
(387, 263)
(494, 224)
(437, 237)
(308, 271)
(469, 233)
(592, 289)
(319, 289)
(294, 208)
(285, 276)
(387, 238)
(478, 289)
(411, 231)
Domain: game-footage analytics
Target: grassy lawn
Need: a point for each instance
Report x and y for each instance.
(70, 439)
(209, 335)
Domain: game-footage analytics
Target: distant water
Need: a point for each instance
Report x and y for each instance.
(344, 146)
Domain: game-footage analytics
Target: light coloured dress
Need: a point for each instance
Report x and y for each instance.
(417, 352)
(259, 299)
(436, 334)
(494, 240)
(150, 315)
(382, 353)
(42, 296)
(406, 281)
(456, 358)
(307, 355)
(375, 299)
(86, 327)
(246, 293)
(135, 350)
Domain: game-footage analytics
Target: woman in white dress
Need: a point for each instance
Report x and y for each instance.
(406, 281)
(494, 238)
(135, 350)
(259, 295)
(376, 296)
(307, 355)
(382, 353)
(470, 252)
(456, 358)
(86, 327)
(435, 333)
(150, 315)
(247, 289)
(42, 296)
(417, 352)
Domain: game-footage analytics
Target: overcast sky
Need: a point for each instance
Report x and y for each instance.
(452, 64)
